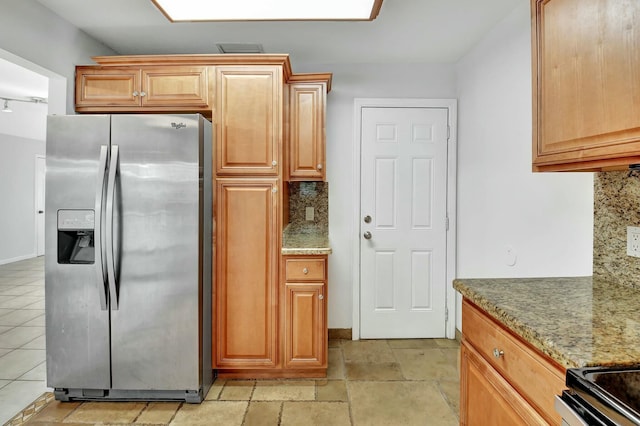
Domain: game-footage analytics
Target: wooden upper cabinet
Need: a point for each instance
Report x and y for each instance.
(246, 287)
(140, 89)
(586, 84)
(98, 86)
(307, 131)
(179, 86)
(249, 120)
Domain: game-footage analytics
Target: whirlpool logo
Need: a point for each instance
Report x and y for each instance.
(178, 126)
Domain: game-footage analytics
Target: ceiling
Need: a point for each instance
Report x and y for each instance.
(406, 31)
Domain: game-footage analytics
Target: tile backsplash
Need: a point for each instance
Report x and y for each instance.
(309, 194)
(616, 206)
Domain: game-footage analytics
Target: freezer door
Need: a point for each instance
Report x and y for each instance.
(77, 322)
(155, 328)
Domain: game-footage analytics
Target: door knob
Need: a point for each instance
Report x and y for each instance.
(367, 235)
(367, 219)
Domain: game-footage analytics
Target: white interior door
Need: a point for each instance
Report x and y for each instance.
(39, 204)
(403, 238)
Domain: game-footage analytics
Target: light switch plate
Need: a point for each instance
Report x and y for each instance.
(309, 213)
(633, 241)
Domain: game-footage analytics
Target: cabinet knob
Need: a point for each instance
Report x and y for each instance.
(274, 163)
(135, 93)
(321, 297)
(319, 166)
(143, 93)
(274, 189)
(305, 271)
(498, 353)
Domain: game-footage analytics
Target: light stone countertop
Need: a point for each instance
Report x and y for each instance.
(305, 239)
(577, 321)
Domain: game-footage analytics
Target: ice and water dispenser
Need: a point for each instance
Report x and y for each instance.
(75, 236)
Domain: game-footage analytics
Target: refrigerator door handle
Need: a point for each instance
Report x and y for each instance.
(111, 183)
(97, 234)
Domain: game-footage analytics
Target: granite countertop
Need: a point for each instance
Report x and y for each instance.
(305, 239)
(577, 321)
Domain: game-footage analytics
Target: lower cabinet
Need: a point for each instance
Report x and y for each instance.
(305, 312)
(504, 380)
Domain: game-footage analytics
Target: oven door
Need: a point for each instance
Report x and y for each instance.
(577, 412)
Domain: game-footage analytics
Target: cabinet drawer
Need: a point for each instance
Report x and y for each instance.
(534, 377)
(305, 269)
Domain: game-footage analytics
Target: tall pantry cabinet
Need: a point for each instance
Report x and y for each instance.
(249, 111)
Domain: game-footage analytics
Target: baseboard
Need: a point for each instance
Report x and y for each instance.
(17, 259)
(340, 334)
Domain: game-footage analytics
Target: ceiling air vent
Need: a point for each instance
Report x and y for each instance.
(240, 48)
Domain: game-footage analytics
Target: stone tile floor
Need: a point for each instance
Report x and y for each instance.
(22, 341)
(370, 382)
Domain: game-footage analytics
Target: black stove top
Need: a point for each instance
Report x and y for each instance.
(613, 392)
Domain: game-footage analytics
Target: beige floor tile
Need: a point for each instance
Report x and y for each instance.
(369, 371)
(56, 411)
(367, 351)
(427, 364)
(227, 413)
(19, 336)
(451, 392)
(399, 403)
(159, 413)
(331, 390)
(16, 363)
(20, 316)
(447, 343)
(106, 412)
(263, 413)
(215, 390)
(315, 413)
(284, 390)
(412, 343)
(336, 364)
(237, 390)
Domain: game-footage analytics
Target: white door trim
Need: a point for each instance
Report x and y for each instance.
(452, 153)
(35, 202)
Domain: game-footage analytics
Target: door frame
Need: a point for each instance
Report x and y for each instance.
(452, 153)
(35, 198)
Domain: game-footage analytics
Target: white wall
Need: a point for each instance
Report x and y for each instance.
(17, 182)
(36, 35)
(546, 218)
(37, 39)
(349, 82)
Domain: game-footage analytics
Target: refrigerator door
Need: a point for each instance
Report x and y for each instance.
(155, 328)
(77, 321)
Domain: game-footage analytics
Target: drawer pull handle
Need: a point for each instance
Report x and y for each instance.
(305, 271)
(498, 353)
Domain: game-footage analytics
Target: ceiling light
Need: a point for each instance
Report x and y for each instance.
(6, 106)
(274, 10)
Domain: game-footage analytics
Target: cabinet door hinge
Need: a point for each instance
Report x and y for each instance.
(448, 132)
(447, 222)
(446, 314)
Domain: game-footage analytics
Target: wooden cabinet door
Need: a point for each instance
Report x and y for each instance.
(486, 398)
(175, 86)
(249, 120)
(307, 131)
(586, 69)
(305, 335)
(246, 302)
(102, 86)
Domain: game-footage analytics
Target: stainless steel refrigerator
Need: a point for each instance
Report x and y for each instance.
(128, 257)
